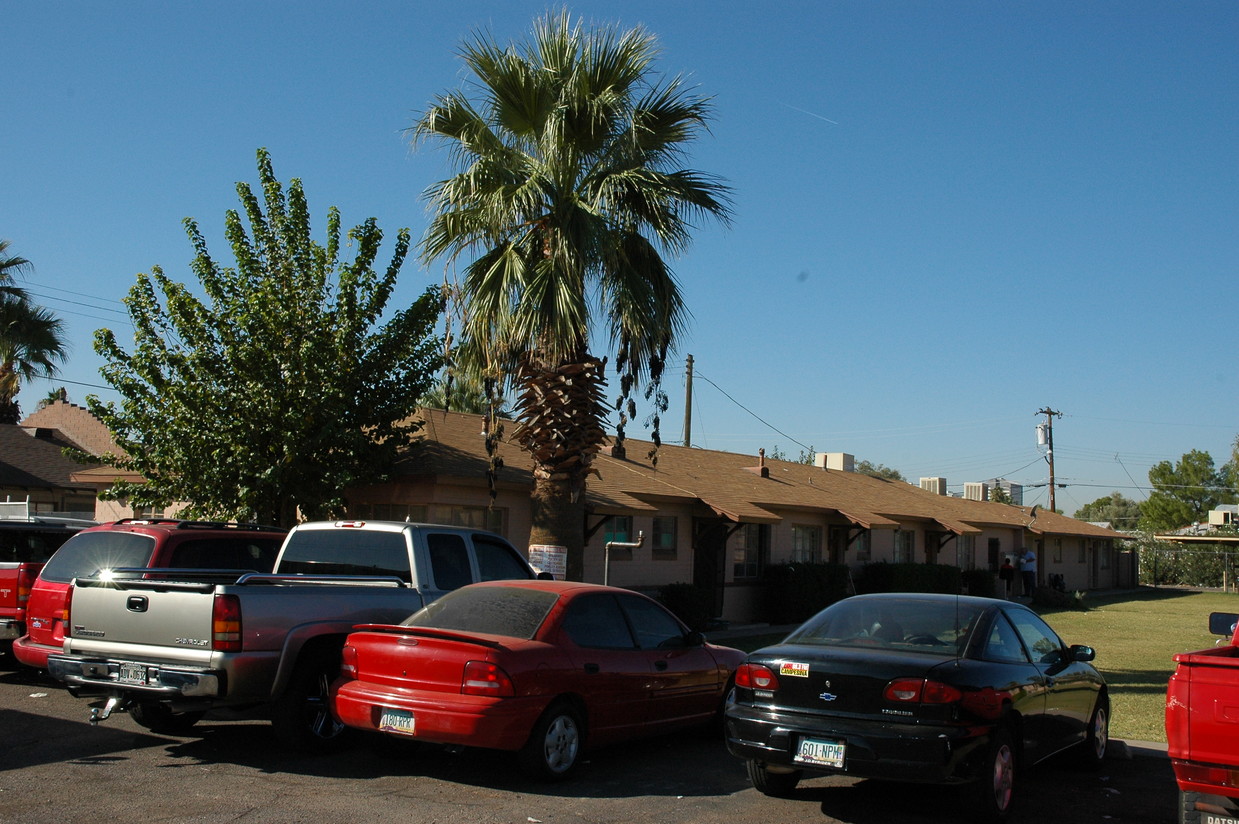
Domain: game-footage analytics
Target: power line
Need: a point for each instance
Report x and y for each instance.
(757, 417)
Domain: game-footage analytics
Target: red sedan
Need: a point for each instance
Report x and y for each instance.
(542, 668)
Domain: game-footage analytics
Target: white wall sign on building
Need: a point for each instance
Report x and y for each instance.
(552, 559)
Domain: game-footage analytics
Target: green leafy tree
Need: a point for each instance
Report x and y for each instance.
(462, 393)
(568, 197)
(277, 392)
(807, 456)
(31, 337)
(879, 471)
(1116, 509)
(1183, 492)
(999, 495)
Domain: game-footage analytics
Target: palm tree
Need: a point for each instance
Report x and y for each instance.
(11, 265)
(31, 345)
(567, 195)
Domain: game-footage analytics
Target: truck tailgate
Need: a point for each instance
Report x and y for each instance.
(161, 621)
(1210, 679)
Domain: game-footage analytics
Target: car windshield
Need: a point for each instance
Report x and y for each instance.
(919, 625)
(510, 611)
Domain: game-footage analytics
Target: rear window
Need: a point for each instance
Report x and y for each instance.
(925, 626)
(256, 554)
(87, 553)
(508, 611)
(347, 552)
(31, 544)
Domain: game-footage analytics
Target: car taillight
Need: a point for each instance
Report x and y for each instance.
(756, 677)
(226, 624)
(25, 580)
(64, 613)
(348, 662)
(484, 678)
(921, 691)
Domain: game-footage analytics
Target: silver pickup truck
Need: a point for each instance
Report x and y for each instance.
(167, 646)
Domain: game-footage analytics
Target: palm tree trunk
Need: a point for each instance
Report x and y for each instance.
(561, 408)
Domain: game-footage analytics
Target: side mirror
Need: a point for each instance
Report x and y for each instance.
(1223, 623)
(694, 639)
(1079, 652)
(545, 576)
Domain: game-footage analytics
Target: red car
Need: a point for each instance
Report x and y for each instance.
(542, 668)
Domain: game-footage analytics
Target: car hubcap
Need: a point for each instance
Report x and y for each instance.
(562, 741)
(1101, 733)
(1004, 777)
(322, 723)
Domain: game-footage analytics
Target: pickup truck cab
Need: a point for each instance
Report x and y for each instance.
(135, 543)
(26, 542)
(1202, 727)
(168, 647)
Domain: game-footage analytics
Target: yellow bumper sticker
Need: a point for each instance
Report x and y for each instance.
(794, 669)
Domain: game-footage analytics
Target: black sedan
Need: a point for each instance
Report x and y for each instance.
(921, 688)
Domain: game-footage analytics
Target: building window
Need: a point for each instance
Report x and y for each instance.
(149, 513)
(1104, 551)
(391, 512)
(1082, 557)
(862, 546)
(749, 557)
(473, 517)
(619, 530)
(663, 547)
(806, 544)
(1058, 550)
(905, 546)
(964, 556)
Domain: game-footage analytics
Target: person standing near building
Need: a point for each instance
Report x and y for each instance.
(1028, 571)
(1006, 574)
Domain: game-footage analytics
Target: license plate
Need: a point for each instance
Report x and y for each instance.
(132, 674)
(397, 721)
(819, 753)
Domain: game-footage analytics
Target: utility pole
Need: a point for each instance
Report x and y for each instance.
(688, 405)
(1046, 431)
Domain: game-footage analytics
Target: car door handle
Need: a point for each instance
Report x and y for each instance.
(592, 669)
(660, 665)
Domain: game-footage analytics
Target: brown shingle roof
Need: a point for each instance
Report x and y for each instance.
(728, 483)
(31, 457)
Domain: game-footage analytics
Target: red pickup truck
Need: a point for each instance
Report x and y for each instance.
(1202, 728)
(26, 542)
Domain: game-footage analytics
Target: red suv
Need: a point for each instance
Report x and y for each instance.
(134, 543)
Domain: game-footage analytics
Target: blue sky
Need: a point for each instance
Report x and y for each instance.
(948, 215)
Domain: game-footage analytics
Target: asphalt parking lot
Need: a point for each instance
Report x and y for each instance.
(55, 767)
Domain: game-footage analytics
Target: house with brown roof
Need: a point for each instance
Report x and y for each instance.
(716, 519)
(33, 468)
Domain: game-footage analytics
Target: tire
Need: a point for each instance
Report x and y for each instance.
(773, 784)
(988, 799)
(158, 718)
(302, 716)
(1188, 814)
(1219, 808)
(1091, 754)
(554, 746)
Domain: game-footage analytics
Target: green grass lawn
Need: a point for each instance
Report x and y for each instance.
(1136, 636)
